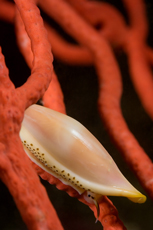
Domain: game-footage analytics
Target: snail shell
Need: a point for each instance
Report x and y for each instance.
(66, 149)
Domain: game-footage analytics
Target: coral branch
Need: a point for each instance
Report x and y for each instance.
(138, 20)
(14, 164)
(42, 67)
(7, 11)
(110, 217)
(67, 52)
(110, 24)
(141, 73)
(131, 39)
(53, 97)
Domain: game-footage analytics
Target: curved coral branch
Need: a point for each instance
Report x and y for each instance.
(131, 38)
(53, 97)
(138, 21)
(67, 52)
(7, 11)
(41, 49)
(141, 73)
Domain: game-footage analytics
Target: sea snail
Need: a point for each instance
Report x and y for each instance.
(66, 149)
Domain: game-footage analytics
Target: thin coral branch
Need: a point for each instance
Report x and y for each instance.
(42, 67)
(69, 53)
(7, 11)
(53, 97)
(138, 21)
(110, 24)
(140, 69)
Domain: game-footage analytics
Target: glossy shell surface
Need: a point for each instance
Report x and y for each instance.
(66, 149)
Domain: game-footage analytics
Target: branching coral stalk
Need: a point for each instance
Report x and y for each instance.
(131, 38)
(53, 97)
(42, 55)
(14, 164)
